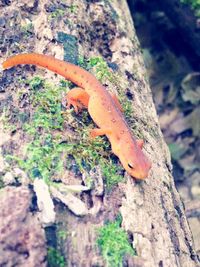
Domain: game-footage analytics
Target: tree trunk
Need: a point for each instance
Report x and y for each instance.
(152, 212)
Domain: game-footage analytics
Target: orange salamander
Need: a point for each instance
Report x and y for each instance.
(104, 109)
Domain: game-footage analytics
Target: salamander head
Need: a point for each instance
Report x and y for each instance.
(133, 160)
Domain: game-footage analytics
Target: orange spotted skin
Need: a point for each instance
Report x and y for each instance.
(102, 108)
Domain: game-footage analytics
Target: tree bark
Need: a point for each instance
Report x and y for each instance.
(152, 212)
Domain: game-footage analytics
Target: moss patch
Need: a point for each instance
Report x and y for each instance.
(51, 149)
(1, 182)
(113, 243)
(55, 258)
(44, 151)
(56, 238)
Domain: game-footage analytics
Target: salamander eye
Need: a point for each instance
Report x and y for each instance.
(130, 166)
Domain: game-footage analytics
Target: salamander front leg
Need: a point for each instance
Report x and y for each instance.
(140, 143)
(98, 132)
(78, 98)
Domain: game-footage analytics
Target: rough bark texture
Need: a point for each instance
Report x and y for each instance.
(22, 239)
(152, 211)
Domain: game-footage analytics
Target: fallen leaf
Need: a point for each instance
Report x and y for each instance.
(177, 150)
(191, 88)
(193, 120)
(180, 125)
(168, 117)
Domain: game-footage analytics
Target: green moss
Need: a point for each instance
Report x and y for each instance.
(44, 154)
(27, 29)
(61, 12)
(194, 4)
(62, 235)
(88, 154)
(55, 258)
(65, 84)
(100, 68)
(111, 172)
(83, 63)
(35, 83)
(5, 120)
(12, 118)
(73, 8)
(43, 158)
(113, 243)
(1, 182)
(58, 13)
(56, 237)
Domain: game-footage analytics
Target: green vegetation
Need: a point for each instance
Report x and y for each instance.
(44, 151)
(194, 4)
(62, 235)
(58, 13)
(88, 154)
(55, 258)
(4, 118)
(1, 182)
(36, 83)
(56, 237)
(43, 158)
(73, 8)
(101, 69)
(50, 148)
(27, 29)
(113, 243)
(112, 173)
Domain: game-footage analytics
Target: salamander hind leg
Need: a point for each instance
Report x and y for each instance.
(78, 98)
